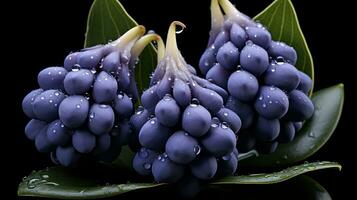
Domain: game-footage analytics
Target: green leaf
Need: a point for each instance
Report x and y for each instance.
(307, 188)
(277, 177)
(315, 133)
(125, 158)
(66, 183)
(107, 20)
(281, 20)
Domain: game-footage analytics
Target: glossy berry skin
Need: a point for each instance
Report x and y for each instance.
(228, 56)
(238, 36)
(205, 167)
(305, 84)
(243, 110)
(34, 127)
(243, 86)
(57, 133)
(27, 103)
(41, 142)
(154, 135)
(200, 116)
(105, 88)
(227, 165)
(259, 36)
(71, 119)
(254, 59)
(220, 140)
(267, 130)
(182, 148)
(45, 106)
(282, 75)
(66, 156)
(167, 111)
(233, 120)
(78, 82)
(51, 78)
(287, 132)
(181, 93)
(272, 103)
(101, 119)
(123, 106)
(218, 75)
(281, 49)
(83, 141)
(300, 106)
(143, 160)
(166, 171)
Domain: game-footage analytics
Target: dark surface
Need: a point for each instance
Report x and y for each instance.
(44, 32)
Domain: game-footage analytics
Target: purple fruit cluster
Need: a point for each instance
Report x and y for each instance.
(183, 128)
(266, 90)
(82, 109)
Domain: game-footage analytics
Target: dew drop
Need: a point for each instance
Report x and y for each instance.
(260, 98)
(45, 176)
(50, 101)
(226, 157)
(78, 106)
(42, 98)
(140, 110)
(224, 125)
(143, 153)
(194, 102)
(312, 134)
(91, 116)
(225, 114)
(76, 68)
(214, 122)
(167, 97)
(120, 95)
(197, 149)
(147, 166)
(57, 93)
(280, 60)
(152, 121)
(264, 105)
(103, 106)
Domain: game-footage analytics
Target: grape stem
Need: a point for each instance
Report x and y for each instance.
(174, 63)
(140, 45)
(127, 40)
(233, 14)
(217, 20)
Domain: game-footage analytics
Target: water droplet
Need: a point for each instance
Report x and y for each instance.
(268, 96)
(120, 95)
(42, 98)
(179, 29)
(264, 105)
(311, 168)
(152, 121)
(91, 116)
(251, 77)
(147, 166)
(167, 97)
(57, 93)
(55, 105)
(225, 114)
(273, 70)
(103, 106)
(224, 125)
(62, 126)
(280, 60)
(249, 56)
(186, 133)
(143, 153)
(312, 134)
(197, 149)
(214, 122)
(78, 106)
(93, 71)
(270, 102)
(285, 157)
(226, 157)
(213, 47)
(76, 68)
(194, 102)
(272, 88)
(50, 101)
(45, 176)
(54, 130)
(249, 42)
(140, 110)
(260, 98)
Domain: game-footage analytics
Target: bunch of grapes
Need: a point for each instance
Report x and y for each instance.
(82, 109)
(185, 132)
(265, 89)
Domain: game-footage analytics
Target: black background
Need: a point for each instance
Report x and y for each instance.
(41, 33)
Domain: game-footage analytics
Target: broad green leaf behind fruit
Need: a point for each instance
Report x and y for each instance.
(281, 20)
(66, 183)
(315, 133)
(107, 20)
